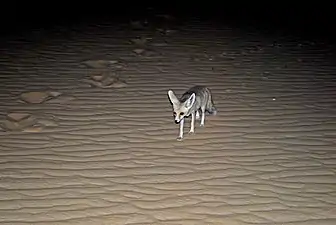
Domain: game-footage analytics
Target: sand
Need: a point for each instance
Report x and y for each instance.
(95, 143)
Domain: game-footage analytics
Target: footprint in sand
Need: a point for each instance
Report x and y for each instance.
(103, 65)
(146, 52)
(102, 77)
(23, 121)
(166, 31)
(141, 48)
(105, 80)
(26, 122)
(100, 63)
(141, 41)
(19, 121)
(139, 51)
(138, 24)
(38, 97)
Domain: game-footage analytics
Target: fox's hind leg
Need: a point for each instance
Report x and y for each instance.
(202, 116)
(197, 114)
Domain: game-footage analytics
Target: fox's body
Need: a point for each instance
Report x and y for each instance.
(197, 100)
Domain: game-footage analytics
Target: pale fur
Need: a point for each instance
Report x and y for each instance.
(196, 100)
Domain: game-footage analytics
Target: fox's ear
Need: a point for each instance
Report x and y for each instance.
(172, 97)
(190, 100)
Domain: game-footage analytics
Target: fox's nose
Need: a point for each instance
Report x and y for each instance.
(177, 121)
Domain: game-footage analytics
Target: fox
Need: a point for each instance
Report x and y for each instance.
(196, 101)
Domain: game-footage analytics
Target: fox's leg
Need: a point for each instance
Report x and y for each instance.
(202, 116)
(197, 115)
(180, 137)
(192, 125)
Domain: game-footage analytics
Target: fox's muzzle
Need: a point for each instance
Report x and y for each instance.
(177, 119)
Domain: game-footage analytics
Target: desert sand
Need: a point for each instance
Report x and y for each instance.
(87, 134)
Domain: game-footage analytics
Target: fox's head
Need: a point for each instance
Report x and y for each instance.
(180, 109)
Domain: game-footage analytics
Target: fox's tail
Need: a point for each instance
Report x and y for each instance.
(212, 110)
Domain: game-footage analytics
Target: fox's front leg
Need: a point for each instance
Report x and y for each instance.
(192, 125)
(180, 137)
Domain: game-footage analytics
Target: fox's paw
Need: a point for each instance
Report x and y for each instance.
(191, 132)
(179, 138)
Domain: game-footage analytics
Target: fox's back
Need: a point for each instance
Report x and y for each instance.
(199, 90)
(203, 98)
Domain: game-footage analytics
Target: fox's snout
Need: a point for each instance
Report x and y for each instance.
(178, 117)
(177, 120)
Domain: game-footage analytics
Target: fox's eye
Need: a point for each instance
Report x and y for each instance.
(174, 113)
(181, 114)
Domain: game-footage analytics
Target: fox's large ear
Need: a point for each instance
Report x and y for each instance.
(190, 100)
(172, 97)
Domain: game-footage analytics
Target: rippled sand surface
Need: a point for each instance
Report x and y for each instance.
(103, 153)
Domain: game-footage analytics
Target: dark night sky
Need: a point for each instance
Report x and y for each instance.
(299, 17)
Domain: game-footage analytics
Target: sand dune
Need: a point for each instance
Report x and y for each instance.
(93, 155)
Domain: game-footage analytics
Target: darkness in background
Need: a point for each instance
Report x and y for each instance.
(303, 19)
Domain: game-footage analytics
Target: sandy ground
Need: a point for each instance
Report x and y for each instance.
(89, 152)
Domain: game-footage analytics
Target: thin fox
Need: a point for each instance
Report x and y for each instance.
(196, 100)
